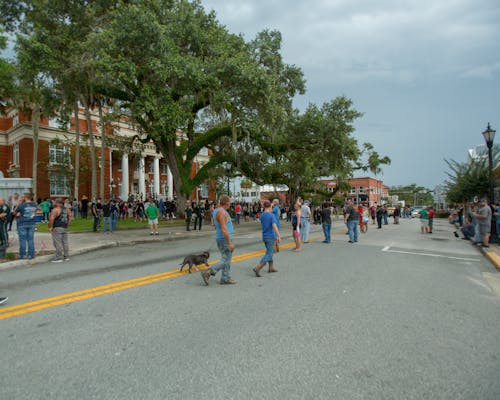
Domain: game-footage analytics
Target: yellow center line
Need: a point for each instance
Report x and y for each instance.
(37, 305)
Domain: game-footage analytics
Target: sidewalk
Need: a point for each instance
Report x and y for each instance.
(84, 242)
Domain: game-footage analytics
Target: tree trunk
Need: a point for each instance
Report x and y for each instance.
(176, 176)
(77, 155)
(103, 151)
(93, 189)
(35, 123)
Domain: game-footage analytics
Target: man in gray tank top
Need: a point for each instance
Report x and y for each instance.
(59, 220)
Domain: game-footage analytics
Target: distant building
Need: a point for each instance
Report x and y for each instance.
(363, 190)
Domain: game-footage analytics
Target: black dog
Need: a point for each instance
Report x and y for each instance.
(196, 259)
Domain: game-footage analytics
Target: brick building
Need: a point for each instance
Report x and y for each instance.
(139, 170)
(364, 190)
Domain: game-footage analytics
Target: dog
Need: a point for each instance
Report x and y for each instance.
(195, 260)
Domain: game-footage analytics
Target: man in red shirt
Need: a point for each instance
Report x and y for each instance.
(430, 214)
(237, 211)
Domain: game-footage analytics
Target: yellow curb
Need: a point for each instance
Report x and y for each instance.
(494, 258)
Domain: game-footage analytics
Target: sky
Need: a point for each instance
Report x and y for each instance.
(425, 73)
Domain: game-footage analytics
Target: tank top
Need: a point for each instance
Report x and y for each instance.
(62, 220)
(218, 230)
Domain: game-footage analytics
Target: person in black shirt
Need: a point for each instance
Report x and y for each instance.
(188, 214)
(106, 217)
(198, 213)
(96, 209)
(326, 220)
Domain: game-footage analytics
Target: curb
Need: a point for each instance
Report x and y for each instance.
(493, 257)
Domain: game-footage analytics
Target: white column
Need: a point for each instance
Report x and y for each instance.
(124, 194)
(111, 195)
(156, 179)
(142, 178)
(170, 184)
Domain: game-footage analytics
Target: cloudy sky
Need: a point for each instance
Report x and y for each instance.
(425, 73)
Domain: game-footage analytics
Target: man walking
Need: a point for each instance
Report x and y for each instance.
(25, 214)
(277, 211)
(352, 221)
(153, 214)
(305, 225)
(237, 212)
(188, 215)
(223, 237)
(59, 220)
(4, 215)
(380, 215)
(270, 235)
(424, 220)
(326, 221)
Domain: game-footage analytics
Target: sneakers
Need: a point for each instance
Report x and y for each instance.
(230, 281)
(3, 299)
(206, 276)
(57, 260)
(66, 258)
(156, 233)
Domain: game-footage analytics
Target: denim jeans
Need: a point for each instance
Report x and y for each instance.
(114, 222)
(352, 226)
(304, 229)
(106, 220)
(327, 230)
(386, 222)
(225, 262)
(268, 257)
(26, 234)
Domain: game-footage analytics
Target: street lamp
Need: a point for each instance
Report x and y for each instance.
(489, 136)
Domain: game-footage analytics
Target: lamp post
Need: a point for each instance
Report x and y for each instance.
(489, 136)
(227, 167)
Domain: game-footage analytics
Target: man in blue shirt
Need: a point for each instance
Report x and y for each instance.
(25, 214)
(223, 237)
(270, 234)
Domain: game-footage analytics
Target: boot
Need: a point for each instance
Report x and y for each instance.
(257, 269)
(271, 269)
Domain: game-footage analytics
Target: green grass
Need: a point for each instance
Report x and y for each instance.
(85, 225)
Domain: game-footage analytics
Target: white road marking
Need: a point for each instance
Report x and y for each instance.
(386, 248)
(432, 255)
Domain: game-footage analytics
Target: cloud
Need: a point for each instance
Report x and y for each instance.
(487, 71)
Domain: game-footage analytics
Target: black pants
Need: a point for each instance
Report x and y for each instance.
(188, 224)
(379, 221)
(4, 236)
(198, 221)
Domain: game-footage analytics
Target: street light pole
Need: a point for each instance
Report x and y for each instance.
(489, 137)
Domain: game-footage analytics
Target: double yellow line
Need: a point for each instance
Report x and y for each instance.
(37, 305)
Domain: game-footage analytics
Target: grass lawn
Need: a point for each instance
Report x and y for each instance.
(82, 225)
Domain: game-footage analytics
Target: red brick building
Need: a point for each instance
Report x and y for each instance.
(140, 171)
(365, 190)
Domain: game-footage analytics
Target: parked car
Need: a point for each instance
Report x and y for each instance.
(415, 211)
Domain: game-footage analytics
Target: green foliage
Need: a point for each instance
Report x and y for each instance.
(412, 194)
(466, 180)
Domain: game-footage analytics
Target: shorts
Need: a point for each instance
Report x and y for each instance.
(483, 229)
(424, 223)
(296, 234)
(153, 221)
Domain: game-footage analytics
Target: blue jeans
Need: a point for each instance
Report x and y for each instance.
(26, 234)
(385, 220)
(352, 226)
(238, 216)
(304, 229)
(327, 230)
(268, 257)
(225, 263)
(106, 220)
(114, 222)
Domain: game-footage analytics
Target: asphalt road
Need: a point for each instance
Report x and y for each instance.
(399, 315)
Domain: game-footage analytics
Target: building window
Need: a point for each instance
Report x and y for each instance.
(353, 190)
(164, 168)
(361, 189)
(15, 154)
(59, 185)
(59, 154)
(151, 167)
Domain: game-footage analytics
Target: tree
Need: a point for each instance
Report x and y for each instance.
(412, 194)
(176, 67)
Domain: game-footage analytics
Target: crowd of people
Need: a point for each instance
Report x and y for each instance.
(477, 221)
